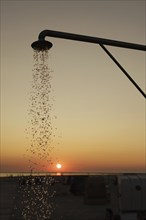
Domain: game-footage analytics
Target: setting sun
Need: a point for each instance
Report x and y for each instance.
(58, 166)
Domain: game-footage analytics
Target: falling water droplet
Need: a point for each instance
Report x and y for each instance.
(36, 200)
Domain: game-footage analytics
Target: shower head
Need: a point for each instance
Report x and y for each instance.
(41, 45)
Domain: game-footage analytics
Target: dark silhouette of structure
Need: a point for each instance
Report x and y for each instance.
(42, 44)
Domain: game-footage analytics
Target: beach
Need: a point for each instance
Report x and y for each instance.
(62, 198)
(68, 204)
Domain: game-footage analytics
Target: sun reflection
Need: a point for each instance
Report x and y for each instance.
(58, 174)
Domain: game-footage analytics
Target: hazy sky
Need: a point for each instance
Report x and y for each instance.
(100, 114)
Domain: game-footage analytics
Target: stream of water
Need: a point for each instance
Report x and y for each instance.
(35, 195)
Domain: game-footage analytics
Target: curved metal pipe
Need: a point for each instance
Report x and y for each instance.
(89, 39)
(42, 44)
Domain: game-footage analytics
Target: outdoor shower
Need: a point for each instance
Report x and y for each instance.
(42, 44)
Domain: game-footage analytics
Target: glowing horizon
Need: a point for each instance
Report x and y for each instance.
(98, 116)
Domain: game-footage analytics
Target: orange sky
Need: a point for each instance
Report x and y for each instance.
(100, 116)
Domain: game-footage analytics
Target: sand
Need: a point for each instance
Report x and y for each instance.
(68, 205)
(76, 198)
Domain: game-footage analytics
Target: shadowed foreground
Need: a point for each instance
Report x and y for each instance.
(63, 198)
(67, 205)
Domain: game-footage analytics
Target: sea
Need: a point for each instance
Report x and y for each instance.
(19, 174)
